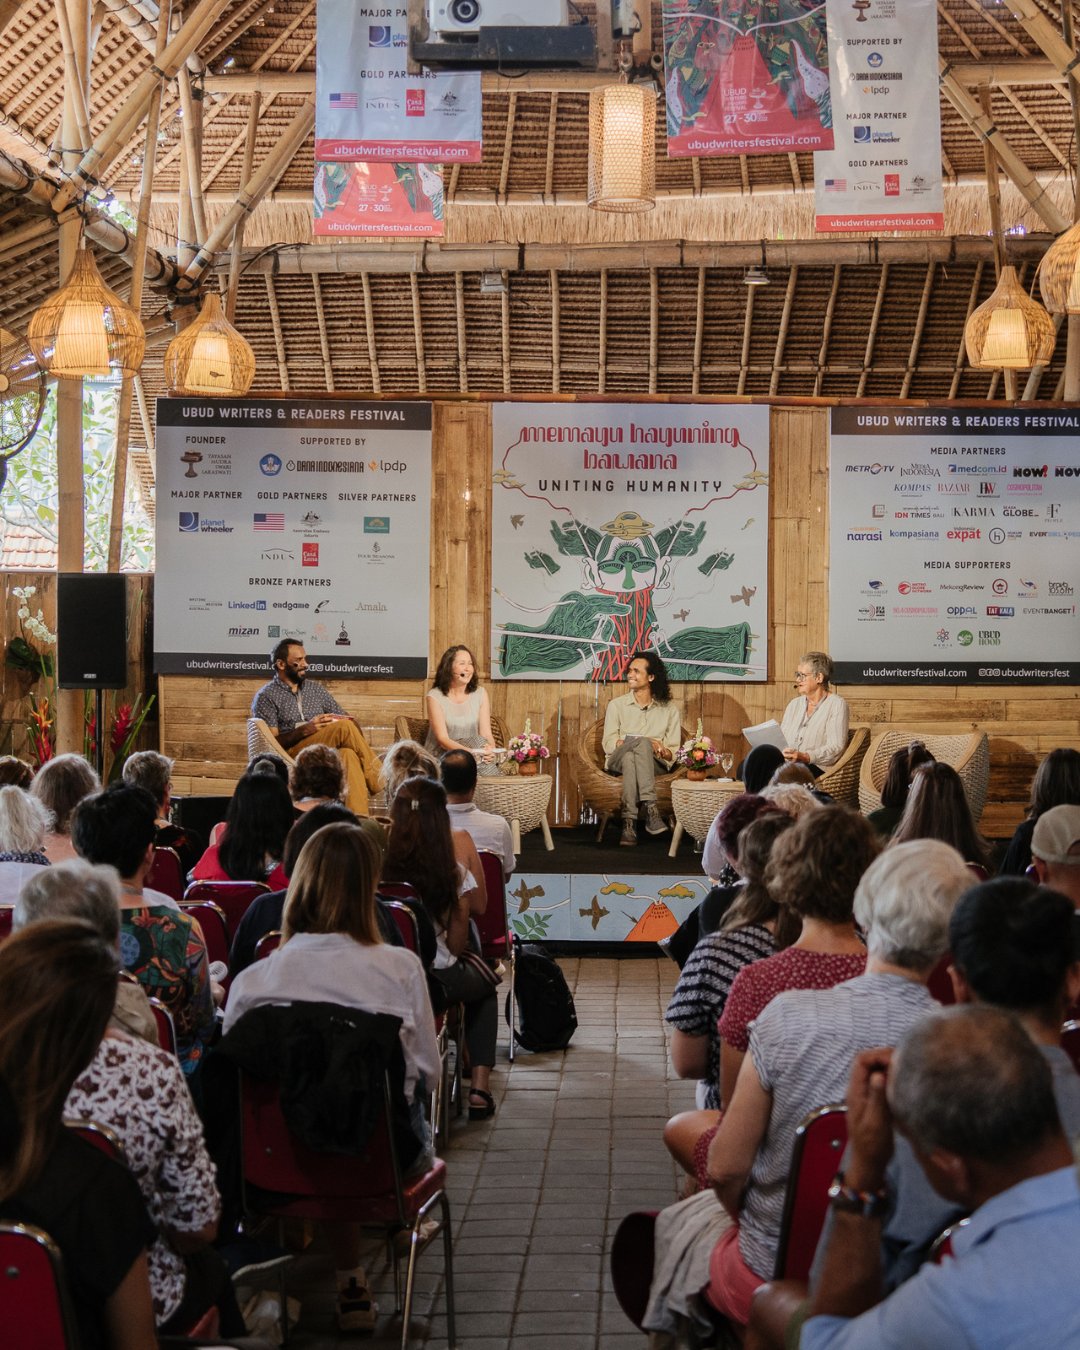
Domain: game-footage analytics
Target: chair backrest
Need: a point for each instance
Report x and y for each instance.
(232, 897)
(7, 913)
(405, 922)
(35, 1311)
(398, 890)
(166, 874)
(416, 729)
(820, 1140)
(1070, 1042)
(968, 754)
(260, 738)
(166, 1027)
(492, 924)
(102, 1137)
(269, 942)
(940, 984)
(215, 928)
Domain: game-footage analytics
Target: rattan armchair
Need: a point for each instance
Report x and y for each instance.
(416, 729)
(602, 791)
(261, 740)
(842, 778)
(968, 754)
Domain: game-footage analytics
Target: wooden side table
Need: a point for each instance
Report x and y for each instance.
(523, 802)
(696, 806)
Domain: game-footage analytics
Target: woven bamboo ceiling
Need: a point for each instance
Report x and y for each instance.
(594, 303)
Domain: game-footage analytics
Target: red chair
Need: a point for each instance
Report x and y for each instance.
(942, 1247)
(269, 942)
(166, 1027)
(7, 913)
(103, 1137)
(498, 941)
(233, 897)
(820, 1140)
(35, 1310)
(215, 930)
(940, 984)
(367, 1188)
(405, 923)
(1070, 1042)
(166, 874)
(398, 890)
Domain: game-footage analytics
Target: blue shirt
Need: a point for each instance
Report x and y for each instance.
(281, 708)
(1012, 1284)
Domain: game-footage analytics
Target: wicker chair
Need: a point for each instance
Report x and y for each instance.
(416, 729)
(842, 778)
(261, 740)
(968, 754)
(602, 791)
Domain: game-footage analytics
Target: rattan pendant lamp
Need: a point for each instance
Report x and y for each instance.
(622, 147)
(85, 329)
(1059, 274)
(210, 356)
(1010, 331)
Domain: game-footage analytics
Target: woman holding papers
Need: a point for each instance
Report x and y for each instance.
(815, 722)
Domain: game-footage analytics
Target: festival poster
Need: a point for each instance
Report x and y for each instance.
(617, 527)
(368, 106)
(950, 560)
(746, 77)
(363, 199)
(884, 170)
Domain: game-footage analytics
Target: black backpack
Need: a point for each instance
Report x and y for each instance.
(546, 1018)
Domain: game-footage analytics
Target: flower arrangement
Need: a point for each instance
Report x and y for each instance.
(697, 752)
(126, 724)
(21, 653)
(528, 747)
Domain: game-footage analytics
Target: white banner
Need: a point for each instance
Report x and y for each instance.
(368, 106)
(884, 171)
(949, 560)
(617, 527)
(300, 518)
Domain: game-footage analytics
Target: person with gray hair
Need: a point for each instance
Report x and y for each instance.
(815, 722)
(147, 769)
(60, 785)
(905, 900)
(24, 823)
(970, 1090)
(406, 759)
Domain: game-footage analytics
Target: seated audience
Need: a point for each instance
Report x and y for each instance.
(1056, 783)
(894, 791)
(758, 767)
(937, 808)
(24, 823)
(971, 1092)
(267, 762)
(14, 772)
(60, 785)
(459, 774)
(794, 798)
(159, 944)
(332, 952)
(57, 985)
(147, 769)
(421, 851)
(259, 818)
(1055, 850)
(317, 777)
(139, 1092)
(406, 759)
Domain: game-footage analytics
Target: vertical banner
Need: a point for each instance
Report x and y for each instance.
(364, 199)
(746, 77)
(884, 171)
(292, 518)
(368, 106)
(622, 526)
(949, 560)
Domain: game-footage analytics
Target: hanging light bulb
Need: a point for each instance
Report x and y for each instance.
(210, 356)
(1059, 274)
(622, 151)
(85, 328)
(1010, 331)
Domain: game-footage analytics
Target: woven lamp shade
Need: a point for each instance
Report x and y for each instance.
(1059, 274)
(209, 356)
(86, 329)
(622, 148)
(1010, 331)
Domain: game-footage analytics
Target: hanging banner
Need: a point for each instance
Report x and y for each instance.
(365, 199)
(949, 559)
(292, 518)
(746, 77)
(884, 171)
(368, 106)
(617, 527)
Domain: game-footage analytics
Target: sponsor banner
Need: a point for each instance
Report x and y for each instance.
(884, 170)
(746, 78)
(617, 527)
(292, 518)
(954, 555)
(368, 106)
(363, 199)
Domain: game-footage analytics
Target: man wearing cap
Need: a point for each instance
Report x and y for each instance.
(1055, 851)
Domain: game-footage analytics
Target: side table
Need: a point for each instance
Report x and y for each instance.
(696, 806)
(523, 802)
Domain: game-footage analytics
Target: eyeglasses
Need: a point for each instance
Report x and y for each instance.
(803, 674)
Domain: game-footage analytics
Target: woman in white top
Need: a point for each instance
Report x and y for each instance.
(815, 722)
(459, 714)
(23, 826)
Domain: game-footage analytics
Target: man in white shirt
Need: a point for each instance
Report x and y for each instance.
(458, 772)
(642, 732)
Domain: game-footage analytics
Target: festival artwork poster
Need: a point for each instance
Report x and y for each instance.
(746, 77)
(617, 527)
(375, 198)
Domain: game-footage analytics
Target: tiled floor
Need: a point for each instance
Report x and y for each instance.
(537, 1193)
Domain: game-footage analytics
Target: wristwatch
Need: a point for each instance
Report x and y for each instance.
(868, 1204)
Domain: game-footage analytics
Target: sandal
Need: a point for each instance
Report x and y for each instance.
(484, 1112)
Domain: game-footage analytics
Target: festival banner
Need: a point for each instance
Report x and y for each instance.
(884, 171)
(368, 106)
(617, 527)
(949, 560)
(292, 518)
(365, 199)
(746, 77)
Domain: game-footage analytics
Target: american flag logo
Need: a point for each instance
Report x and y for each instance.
(835, 184)
(343, 100)
(269, 520)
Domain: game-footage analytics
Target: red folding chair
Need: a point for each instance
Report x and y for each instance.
(367, 1188)
(1070, 1042)
(233, 897)
(269, 942)
(398, 890)
(35, 1310)
(166, 1027)
(405, 922)
(940, 984)
(498, 942)
(7, 913)
(166, 874)
(103, 1137)
(820, 1140)
(215, 929)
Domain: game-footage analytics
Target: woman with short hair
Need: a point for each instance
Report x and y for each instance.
(60, 785)
(316, 778)
(815, 722)
(24, 825)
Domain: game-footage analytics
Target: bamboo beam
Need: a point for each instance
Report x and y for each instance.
(549, 163)
(556, 345)
(987, 16)
(993, 191)
(1038, 27)
(654, 327)
(1033, 123)
(826, 333)
(369, 326)
(142, 17)
(75, 72)
(462, 349)
(601, 364)
(782, 331)
(699, 332)
(237, 247)
(871, 336)
(191, 133)
(961, 347)
(747, 332)
(504, 325)
(916, 337)
(508, 142)
(324, 342)
(418, 335)
(279, 336)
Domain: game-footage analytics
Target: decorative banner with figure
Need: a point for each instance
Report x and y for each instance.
(746, 77)
(617, 527)
(363, 199)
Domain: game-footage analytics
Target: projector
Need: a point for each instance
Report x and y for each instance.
(456, 17)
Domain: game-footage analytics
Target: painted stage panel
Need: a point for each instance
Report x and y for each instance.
(600, 906)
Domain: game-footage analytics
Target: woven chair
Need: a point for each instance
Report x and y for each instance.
(261, 740)
(968, 754)
(416, 729)
(602, 791)
(842, 778)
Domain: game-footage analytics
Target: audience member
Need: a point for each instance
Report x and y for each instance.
(758, 767)
(60, 785)
(458, 772)
(794, 798)
(259, 818)
(267, 762)
(15, 772)
(894, 791)
(406, 759)
(1056, 783)
(459, 713)
(937, 808)
(24, 823)
(316, 778)
(642, 732)
(147, 769)
(1055, 850)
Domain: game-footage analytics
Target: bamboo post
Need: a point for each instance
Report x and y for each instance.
(993, 189)
(75, 82)
(238, 232)
(191, 108)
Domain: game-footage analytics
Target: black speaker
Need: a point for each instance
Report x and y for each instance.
(91, 630)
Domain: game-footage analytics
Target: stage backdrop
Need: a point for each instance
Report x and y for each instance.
(617, 527)
(304, 518)
(953, 554)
